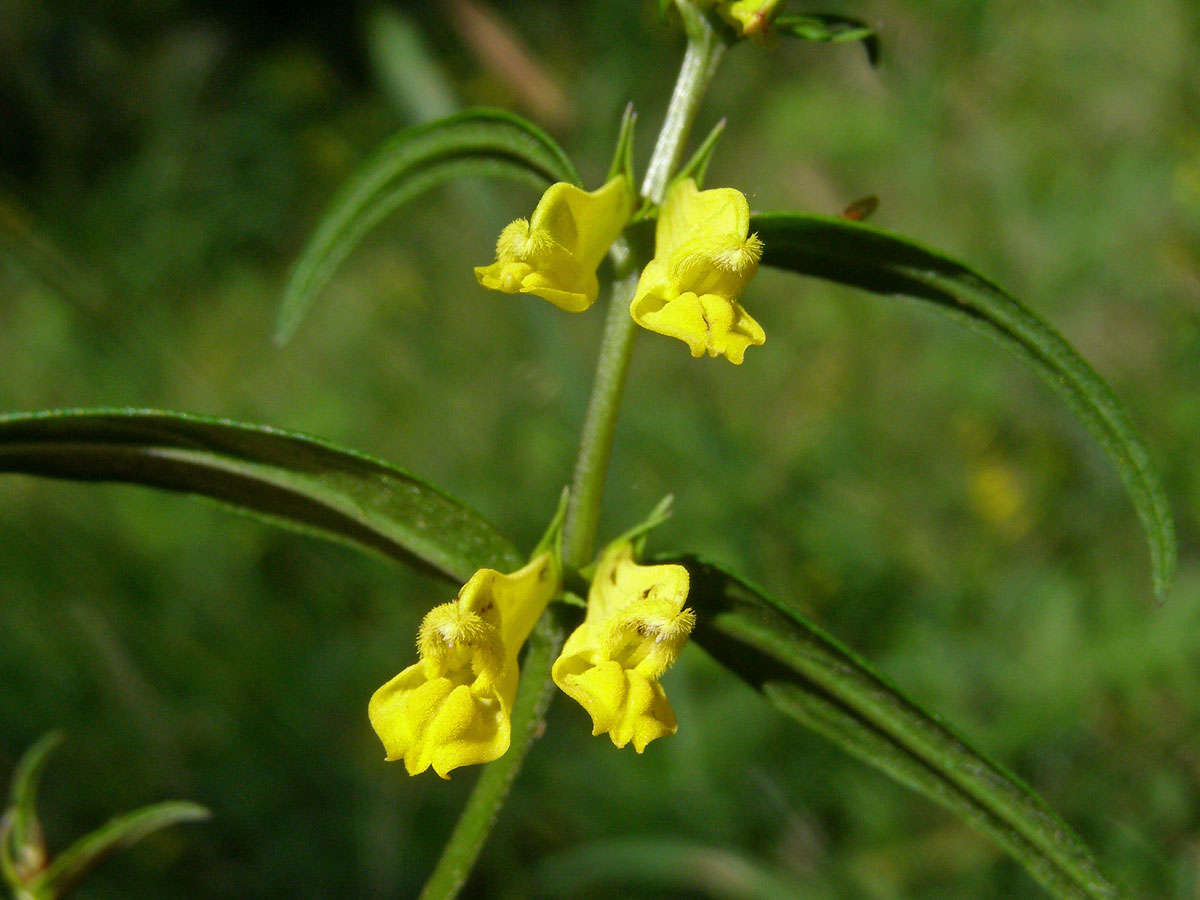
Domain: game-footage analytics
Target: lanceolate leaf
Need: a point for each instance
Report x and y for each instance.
(473, 143)
(865, 257)
(813, 678)
(292, 479)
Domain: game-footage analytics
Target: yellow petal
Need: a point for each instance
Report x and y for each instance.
(403, 707)
(703, 259)
(619, 580)
(692, 216)
(438, 722)
(623, 704)
(555, 254)
(521, 597)
(633, 632)
(648, 635)
(721, 266)
(452, 707)
(707, 324)
(472, 727)
(585, 222)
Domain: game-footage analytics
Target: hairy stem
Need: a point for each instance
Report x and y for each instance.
(600, 423)
(705, 48)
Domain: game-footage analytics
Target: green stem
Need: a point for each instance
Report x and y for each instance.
(600, 423)
(704, 50)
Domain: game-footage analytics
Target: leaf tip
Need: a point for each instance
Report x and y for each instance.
(1164, 570)
(285, 326)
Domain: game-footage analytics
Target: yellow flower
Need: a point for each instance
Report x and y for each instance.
(702, 263)
(751, 18)
(634, 630)
(556, 252)
(452, 707)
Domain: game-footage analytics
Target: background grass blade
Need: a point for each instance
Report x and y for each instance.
(865, 257)
(109, 839)
(473, 143)
(291, 479)
(662, 863)
(811, 677)
(22, 842)
(61, 877)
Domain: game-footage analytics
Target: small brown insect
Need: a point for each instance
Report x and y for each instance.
(860, 209)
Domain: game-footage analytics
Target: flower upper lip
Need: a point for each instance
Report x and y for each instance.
(555, 253)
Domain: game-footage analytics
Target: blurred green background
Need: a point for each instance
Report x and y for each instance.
(161, 163)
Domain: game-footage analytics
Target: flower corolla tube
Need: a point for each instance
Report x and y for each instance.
(634, 630)
(451, 708)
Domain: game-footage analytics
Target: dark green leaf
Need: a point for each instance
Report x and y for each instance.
(875, 260)
(478, 142)
(831, 29)
(810, 676)
(291, 479)
(118, 834)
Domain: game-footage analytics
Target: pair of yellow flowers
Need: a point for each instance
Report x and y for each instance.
(452, 707)
(703, 259)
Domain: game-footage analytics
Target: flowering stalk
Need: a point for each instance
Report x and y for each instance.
(704, 50)
(705, 47)
(600, 423)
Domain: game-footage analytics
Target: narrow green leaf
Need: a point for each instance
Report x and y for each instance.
(878, 261)
(478, 142)
(22, 843)
(289, 478)
(832, 29)
(23, 796)
(118, 834)
(813, 678)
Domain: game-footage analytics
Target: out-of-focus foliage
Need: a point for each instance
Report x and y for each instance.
(162, 163)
